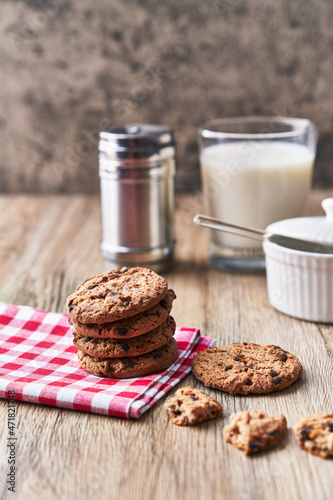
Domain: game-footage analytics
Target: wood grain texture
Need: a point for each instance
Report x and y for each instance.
(48, 245)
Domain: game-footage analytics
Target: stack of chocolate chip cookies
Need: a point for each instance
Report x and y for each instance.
(122, 323)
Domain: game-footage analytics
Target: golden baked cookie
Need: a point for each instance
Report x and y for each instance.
(114, 348)
(135, 366)
(246, 368)
(116, 294)
(128, 327)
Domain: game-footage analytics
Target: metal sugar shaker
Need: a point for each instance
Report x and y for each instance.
(137, 166)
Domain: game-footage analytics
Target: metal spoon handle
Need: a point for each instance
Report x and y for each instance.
(212, 223)
(258, 234)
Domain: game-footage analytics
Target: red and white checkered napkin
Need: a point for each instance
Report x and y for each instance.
(39, 362)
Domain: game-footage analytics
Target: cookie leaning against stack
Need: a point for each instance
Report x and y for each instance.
(122, 323)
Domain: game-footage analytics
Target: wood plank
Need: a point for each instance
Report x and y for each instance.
(48, 245)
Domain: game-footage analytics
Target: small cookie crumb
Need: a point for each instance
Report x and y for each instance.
(189, 406)
(255, 431)
(315, 434)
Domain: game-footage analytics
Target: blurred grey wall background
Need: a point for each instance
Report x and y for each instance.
(69, 68)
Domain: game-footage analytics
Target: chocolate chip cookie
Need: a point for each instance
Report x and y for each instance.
(135, 366)
(315, 434)
(252, 431)
(189, 406)
(116, 294)
(247, 368)
(114, 348)
(128, 327)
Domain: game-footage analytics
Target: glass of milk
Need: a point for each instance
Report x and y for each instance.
(255, 171)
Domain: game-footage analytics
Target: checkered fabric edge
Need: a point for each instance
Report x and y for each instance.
(39, 362)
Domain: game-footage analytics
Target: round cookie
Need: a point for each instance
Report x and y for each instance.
(116, 294)
(246, 368)
(136, 366)
(128, 327)
(315, 434)
(114, 348)
(253, 431)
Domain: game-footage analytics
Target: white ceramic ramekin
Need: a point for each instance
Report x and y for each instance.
(301, 283)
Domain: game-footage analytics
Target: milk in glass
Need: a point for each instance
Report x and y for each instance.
(255, 183)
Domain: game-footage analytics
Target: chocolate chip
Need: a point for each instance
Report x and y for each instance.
(227, 368)
(238, 358)
(221, 350)
(115, 293)
(277, 380)
(274, 432)
(94, 341)
(110, 369)
(193, 397)
(249, 382)
(129, 364)
(124, 270)
(72, 307)
(171, 317)
(92, 287)
(177, 412)
(87, 339)
(219, 364)
(158, 355)
(122, 331)
(273, 374)
(282, 356)
(329, 425)
(254, 446)
(125, 347)
(163, 303)
(305, 431)
(127, 303)
(277, 347)
(246, 366)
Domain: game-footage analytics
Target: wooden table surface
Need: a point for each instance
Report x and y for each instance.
(48, 245)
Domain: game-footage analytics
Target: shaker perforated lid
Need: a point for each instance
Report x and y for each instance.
(137, 141)
(310, 228)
